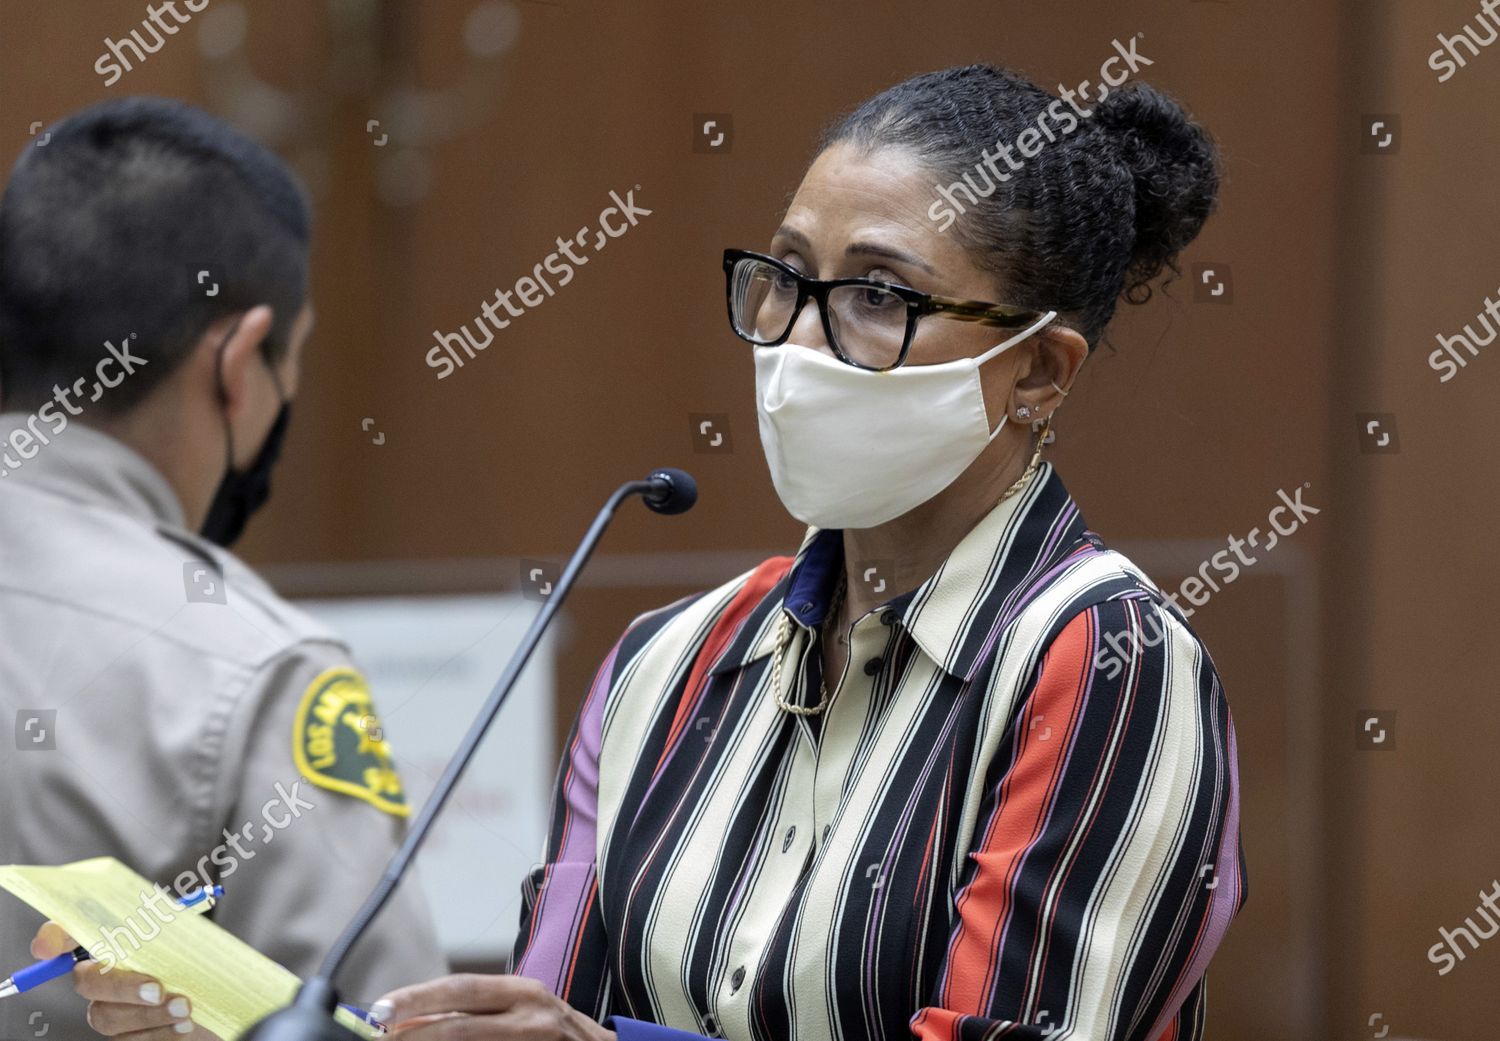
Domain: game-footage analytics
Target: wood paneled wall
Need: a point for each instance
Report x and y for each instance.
(1344, 265)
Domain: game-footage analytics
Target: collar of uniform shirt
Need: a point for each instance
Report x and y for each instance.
(87, 465)
(992, 573)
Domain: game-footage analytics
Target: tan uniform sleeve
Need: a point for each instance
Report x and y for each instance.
(315, 810)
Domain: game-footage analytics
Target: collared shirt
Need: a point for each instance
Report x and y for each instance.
(1018, 815)
(158, 689)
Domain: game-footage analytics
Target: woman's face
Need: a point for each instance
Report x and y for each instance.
(863, 215)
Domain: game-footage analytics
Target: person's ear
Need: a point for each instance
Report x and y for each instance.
(1052, 362)
(239, 358)
(289, 367)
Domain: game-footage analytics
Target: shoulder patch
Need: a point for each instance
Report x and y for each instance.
(338, 743)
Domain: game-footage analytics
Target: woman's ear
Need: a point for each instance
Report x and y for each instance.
(1053, 361)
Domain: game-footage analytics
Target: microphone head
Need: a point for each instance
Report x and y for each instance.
(673, 490)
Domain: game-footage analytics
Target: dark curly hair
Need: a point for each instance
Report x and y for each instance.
(1098, 212)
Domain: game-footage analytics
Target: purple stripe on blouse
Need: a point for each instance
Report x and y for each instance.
(563, 902)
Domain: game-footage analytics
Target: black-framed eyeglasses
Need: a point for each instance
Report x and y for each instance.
(869, 324)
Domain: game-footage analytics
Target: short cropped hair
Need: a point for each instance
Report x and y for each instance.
(107, 230)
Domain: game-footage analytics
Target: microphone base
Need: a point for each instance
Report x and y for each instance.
(309, 1018)
(298, 1024)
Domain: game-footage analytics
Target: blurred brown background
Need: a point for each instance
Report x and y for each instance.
(507, 125)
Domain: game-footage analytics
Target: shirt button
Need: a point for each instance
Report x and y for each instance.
(786, 843)
(737, 979)
(825, 832)
(873, 666)
(888, 616)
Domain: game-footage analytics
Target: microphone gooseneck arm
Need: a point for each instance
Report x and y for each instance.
(318, 991)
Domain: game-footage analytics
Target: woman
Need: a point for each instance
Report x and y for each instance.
(956, 770)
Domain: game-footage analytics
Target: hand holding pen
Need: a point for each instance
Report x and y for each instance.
(196, 902)
(122, 1003)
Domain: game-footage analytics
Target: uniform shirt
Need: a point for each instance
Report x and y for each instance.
(1019, 815)
(172, 711)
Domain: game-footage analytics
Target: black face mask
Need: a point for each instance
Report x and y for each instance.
(242, 492)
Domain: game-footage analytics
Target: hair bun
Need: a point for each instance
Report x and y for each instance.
(1176, 171)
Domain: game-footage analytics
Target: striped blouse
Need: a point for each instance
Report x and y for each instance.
(1018, 817)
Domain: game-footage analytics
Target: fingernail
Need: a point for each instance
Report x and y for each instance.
(151, 993)
(178, 1007)
(383, 1010)
(183, 1027)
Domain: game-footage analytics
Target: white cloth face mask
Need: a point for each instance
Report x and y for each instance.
(854, 448)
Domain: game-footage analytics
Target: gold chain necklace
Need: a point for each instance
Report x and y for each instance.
(783, 631)
(783, 627)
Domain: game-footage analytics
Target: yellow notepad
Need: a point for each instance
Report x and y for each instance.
(103, 905)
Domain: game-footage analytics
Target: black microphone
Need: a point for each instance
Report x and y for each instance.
(310, 1016)
(675, 490)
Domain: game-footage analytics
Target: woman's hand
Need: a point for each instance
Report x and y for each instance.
(485, 1008)
(122, 1004)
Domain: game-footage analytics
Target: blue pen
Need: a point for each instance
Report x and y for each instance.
(365, 1017)
(198, 901)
